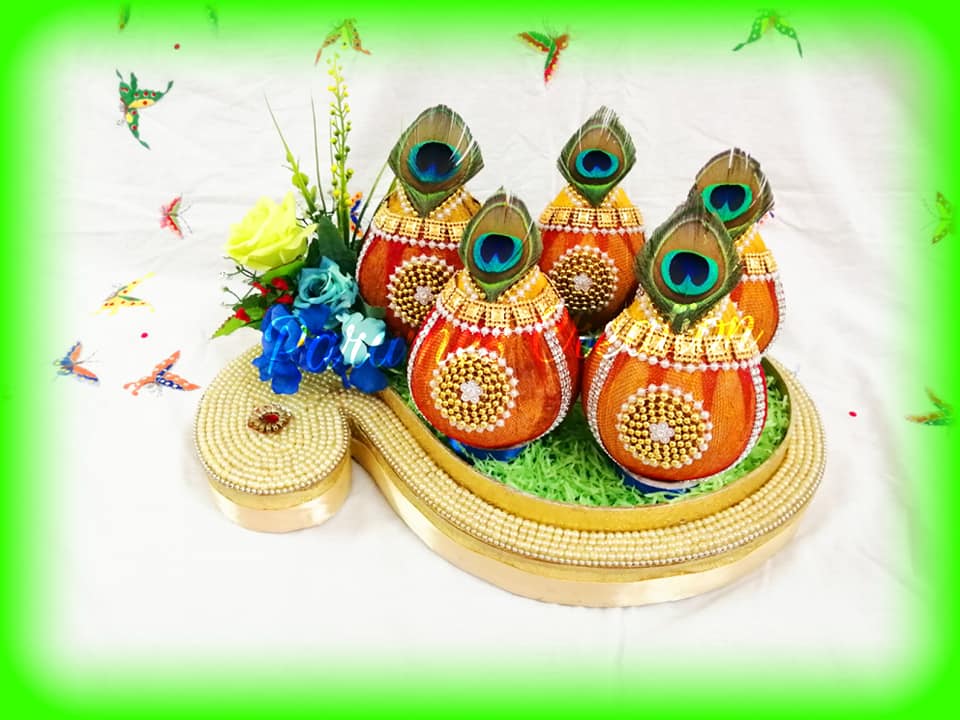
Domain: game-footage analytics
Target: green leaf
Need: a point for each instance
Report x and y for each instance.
(252, 301)
(256, 313)
(228, 326)
(288, 270)
(330, 244)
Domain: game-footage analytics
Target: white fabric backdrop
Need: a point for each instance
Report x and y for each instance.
(144, 566)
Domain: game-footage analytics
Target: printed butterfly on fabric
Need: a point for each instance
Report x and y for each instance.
(549, 44)
(346, 33)
(767, 20)
(134, 99)
(943, 415)
(69, 364)
(122, 297)
(213, 16)
(161, 377)
(946, 223)
(170, 216)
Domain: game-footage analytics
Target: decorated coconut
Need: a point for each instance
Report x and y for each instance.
(496, 365)
(674, 390)
(591, 231)
(410, 250)
(733, 186)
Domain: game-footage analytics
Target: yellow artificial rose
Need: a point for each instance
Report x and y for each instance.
(269, 235)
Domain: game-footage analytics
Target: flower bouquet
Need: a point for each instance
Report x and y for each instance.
(299, 269)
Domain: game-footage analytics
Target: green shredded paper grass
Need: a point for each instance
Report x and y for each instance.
(568, 465)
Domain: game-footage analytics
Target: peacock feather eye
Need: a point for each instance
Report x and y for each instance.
(689, 273)
(597, 156)
(734, 188)
(688, 264)
(500, 244)
(728, 200)
(496, 252)
(595, 163)
(433, 161)
(434, 157)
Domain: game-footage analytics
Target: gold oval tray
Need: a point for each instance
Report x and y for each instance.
(530, 546)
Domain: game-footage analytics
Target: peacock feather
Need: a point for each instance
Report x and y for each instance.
(688, 264)
(434, 157)
(733, 186)
(597, 156)
(500, 244)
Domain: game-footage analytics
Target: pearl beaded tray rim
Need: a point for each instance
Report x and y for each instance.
(550, 556)
(579, 566)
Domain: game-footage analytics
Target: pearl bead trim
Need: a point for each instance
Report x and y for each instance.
(563, 370)
(774, 504)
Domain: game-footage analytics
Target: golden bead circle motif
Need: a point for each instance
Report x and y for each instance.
(414, 286)
(586, 279)
(664, 427)
(474, 389)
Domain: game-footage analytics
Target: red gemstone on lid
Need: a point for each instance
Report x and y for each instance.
(270, 418)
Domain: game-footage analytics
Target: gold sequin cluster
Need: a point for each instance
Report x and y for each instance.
(413, 288)
(586, 279)
(759, 263)
(605, 218)
(663, 427)
(540, 309)
(474, 389)
(269, 419)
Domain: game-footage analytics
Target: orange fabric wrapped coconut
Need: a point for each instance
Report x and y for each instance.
(673, 390)
(588, 253)
(592, 232)
(410, 249)
(497, 364)
(407, 259)
(733, 186)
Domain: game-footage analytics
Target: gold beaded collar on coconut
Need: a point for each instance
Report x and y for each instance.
(732, 185)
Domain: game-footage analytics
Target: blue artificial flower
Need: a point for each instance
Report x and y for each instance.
(315, 318)
(281, 340)
(280, 327)
(320, 352)
(367, 375)
(326, 285)
(359, 335)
